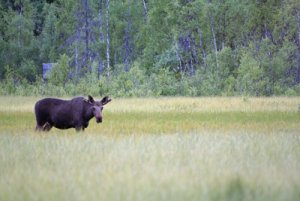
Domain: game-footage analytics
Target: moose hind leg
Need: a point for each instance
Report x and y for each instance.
(47, 126)
(38, 127)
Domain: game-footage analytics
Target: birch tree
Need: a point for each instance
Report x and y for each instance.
(145, 10)
(212, 26)
(127, 39)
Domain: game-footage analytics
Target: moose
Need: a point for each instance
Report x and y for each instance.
(63, 114)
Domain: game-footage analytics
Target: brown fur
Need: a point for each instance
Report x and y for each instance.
(64, 114)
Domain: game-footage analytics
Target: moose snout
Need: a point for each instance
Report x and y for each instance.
(99, 119)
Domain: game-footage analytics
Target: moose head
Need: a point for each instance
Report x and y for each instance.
(97, 107)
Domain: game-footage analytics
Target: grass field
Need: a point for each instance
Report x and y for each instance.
(156, 149)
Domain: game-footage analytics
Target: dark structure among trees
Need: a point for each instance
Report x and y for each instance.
(46, 69)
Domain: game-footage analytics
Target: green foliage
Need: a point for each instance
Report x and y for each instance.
(249, 77)
(59, 74)
(131, 83)
(157, 47)
(49, 34)
(8, 85)
(28, 70)
(229, 86)
(163, 83)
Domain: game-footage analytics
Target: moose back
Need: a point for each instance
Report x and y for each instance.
(63, 114)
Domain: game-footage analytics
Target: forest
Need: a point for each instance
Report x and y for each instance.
(139, 48)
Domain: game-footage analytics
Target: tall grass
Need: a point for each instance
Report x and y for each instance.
(156, 149)
(177, 104)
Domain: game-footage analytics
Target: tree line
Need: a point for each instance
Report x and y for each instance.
(150, 47)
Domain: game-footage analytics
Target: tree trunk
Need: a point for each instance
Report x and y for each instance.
(87, 29)
(127, 41)
(192, 69)
(101, 35)
(194, 51)
(101, 39)
(223, 21)
(20, 24)
(214, 37)
(298, 67)
(203, 51)
(76, 63)
(178, 57)
(298, 62)
(107, 37)
(145, 11)
(100, 67)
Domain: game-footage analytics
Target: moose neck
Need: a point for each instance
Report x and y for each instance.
(88, 114)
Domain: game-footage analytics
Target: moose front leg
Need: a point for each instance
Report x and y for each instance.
(79, 128)
(82, 127)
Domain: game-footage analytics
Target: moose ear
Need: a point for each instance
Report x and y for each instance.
(105, 100)
(90, 99)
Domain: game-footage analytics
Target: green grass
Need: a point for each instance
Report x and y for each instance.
(156, 149)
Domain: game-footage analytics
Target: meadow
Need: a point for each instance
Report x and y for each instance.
(156, 149)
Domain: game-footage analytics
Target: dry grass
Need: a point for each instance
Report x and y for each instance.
(156, 149)
(200, 166)
(177, 104)
(207, 104)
